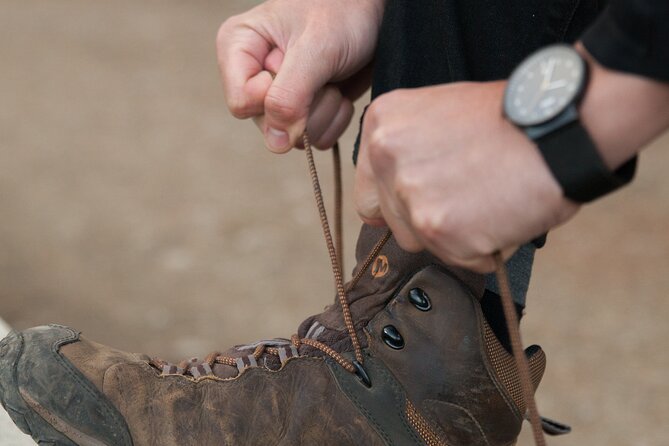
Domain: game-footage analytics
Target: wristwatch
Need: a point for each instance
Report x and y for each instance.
(542, 98)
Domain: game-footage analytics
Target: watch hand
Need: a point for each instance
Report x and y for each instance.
(557, 84)
(548, 74)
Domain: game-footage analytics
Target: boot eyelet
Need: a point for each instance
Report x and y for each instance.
(420, 299)
(392, 337)
(362, 375)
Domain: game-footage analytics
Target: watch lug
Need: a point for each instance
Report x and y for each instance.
(569, 115)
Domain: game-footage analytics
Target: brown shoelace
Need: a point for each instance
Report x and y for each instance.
(522, 365)
(335, 248)
(335, 251)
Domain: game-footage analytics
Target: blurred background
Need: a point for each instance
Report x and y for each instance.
(136, 209)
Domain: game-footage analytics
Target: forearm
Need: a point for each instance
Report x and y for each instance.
(623, 112)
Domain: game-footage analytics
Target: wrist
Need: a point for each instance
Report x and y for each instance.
(622, 112)
(544, 97)
(375, 6)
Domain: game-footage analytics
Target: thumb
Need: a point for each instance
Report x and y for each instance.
(301, 74)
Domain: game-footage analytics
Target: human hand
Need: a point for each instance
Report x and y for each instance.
(319, 51)
(447, 172)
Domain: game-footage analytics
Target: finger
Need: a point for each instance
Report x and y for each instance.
(289, 98)
(355, 86)
(330, 114)
(273, 61)
(483, 264)
(395, 212)
(323, 110)
(473, 260)
(259, 121)
(338, 125)
(241, 55)
(449, 253)
(396, 220)
(365, 192)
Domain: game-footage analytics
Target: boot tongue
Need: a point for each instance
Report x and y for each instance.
(391, 267)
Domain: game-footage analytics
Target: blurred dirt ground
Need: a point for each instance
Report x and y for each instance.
(134, 208)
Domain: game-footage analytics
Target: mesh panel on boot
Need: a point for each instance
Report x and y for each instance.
(421, 425)
(504, 365)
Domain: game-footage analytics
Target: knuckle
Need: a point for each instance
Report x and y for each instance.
(375, 110)
(407, 187)
(479, 246)
(279, 104)
(362, 206)
(224, 31)
(387, 102)
(431, 223)
(407, 183)
(360, 210)
(366, 208)
(371, 113)
(380, 149)
(383, 130)
(239, 108)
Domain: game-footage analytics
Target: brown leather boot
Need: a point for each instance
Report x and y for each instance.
(412, 361)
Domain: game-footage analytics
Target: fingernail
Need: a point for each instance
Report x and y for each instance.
(276, 139)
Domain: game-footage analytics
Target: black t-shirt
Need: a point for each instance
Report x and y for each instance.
(429, 42)
(632, 36)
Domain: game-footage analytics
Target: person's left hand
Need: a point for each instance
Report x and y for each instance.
(447, 172)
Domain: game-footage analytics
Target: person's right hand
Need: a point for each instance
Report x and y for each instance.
(319, 51)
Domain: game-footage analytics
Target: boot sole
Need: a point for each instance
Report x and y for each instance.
(49, 398)
(30, 422)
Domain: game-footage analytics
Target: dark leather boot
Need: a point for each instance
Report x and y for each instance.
(428, 371)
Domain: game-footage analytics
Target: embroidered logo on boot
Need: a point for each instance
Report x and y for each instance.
(380, 266)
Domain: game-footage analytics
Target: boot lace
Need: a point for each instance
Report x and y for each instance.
(334, 247)
(356, 366)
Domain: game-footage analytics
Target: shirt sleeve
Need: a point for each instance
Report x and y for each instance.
(632, 36)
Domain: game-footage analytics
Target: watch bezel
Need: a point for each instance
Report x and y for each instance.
(576, 99)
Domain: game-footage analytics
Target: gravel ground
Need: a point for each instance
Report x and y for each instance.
(137, 210)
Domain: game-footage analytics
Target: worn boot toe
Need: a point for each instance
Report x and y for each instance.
(50, 399)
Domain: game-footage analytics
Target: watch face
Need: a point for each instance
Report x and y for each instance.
(544, 85)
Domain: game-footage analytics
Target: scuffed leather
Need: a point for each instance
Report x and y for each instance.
(442, 370)
(59, 387)
(443, 366)
(383, 403)
(93, 359)
(371, 294)
(297, 405)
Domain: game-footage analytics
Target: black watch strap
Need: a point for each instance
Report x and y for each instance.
(577, 166)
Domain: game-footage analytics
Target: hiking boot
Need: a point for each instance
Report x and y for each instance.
(413, 361)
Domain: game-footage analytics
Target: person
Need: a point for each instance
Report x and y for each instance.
(460, 163)
(426, 130)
